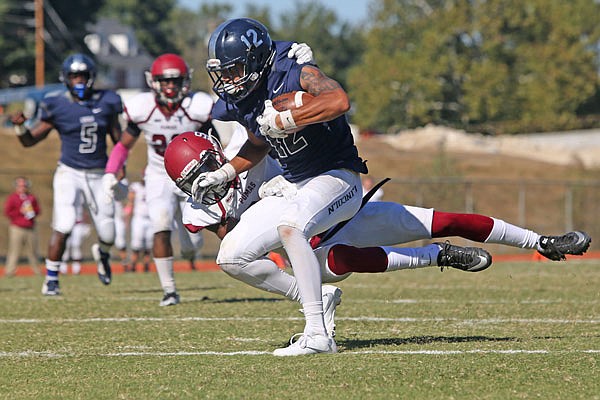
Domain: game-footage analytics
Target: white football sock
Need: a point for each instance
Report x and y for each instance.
(410, 258)
(308, 277)
(52, 268)
(164, 267)
(511, 235)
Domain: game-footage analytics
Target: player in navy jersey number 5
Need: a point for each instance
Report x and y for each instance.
(83, 117)
(313, 144)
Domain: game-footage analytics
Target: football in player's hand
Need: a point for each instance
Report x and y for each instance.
(291, 100)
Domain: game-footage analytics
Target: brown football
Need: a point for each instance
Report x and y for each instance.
(291, 100)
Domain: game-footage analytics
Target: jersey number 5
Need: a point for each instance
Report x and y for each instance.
(89, 138)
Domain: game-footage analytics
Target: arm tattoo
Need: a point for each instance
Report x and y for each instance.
(316, 81)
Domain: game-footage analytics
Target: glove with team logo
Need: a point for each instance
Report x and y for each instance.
(268, 125)
(109, 183)
(302, 53)
(210, 180)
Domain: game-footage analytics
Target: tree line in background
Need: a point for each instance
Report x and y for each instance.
(493, 66)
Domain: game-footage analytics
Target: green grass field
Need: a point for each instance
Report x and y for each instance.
(515, 331)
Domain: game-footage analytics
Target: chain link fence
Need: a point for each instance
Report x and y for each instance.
(545, 206)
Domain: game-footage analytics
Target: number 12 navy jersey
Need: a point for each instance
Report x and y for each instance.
(309, 152)
(82, 125)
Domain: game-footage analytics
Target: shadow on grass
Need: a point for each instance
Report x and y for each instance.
(179, 289)
(250, 300)
(359, 344)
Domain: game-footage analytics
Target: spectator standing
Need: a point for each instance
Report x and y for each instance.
(21, 208)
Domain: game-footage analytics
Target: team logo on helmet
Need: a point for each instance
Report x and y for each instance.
(240, 53)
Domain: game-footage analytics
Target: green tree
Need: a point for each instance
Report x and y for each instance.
(151, 20)
(65, 30)
(336, 45)
(191, 37)
(16, 42)
(469, 62)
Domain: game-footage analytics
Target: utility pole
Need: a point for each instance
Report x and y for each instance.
(39, 43)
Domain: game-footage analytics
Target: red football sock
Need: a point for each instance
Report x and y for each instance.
(469, 226)
(343, 259)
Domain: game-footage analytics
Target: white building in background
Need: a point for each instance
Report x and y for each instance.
(121, 59)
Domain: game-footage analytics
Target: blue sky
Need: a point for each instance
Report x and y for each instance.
(353, 11)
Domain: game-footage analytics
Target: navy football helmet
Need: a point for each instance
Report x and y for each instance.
(240, 54)
(79, 64)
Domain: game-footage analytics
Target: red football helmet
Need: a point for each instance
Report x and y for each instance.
(169, 78)
(190, 154)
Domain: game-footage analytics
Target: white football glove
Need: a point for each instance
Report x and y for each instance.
(267, 124)
(209, 180)
(278, 186)
(302, 53)
(109, 182)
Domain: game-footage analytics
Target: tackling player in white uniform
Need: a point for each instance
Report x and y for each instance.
(192, 153)
(359, 246)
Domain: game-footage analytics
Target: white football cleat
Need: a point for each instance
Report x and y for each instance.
(306, 345)
(332, 297)
(169, 299)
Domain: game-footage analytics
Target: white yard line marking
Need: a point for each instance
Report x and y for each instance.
(29, 353)
(491, 302)
(591, 320)
(476, 321)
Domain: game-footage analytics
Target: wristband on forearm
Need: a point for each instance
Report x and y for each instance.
(229, 171)
(287, 120)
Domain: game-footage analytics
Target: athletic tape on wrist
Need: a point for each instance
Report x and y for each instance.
(287, 120)
(229, 171)
(298, 98)
(20, 130)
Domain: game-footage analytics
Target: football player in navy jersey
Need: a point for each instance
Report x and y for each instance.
(83, 117)
(313, 144)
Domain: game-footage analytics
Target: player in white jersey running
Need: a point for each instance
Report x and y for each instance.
(141, 232)
(169, 109)
(360, 246)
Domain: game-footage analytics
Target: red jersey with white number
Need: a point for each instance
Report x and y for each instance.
(143, 114)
